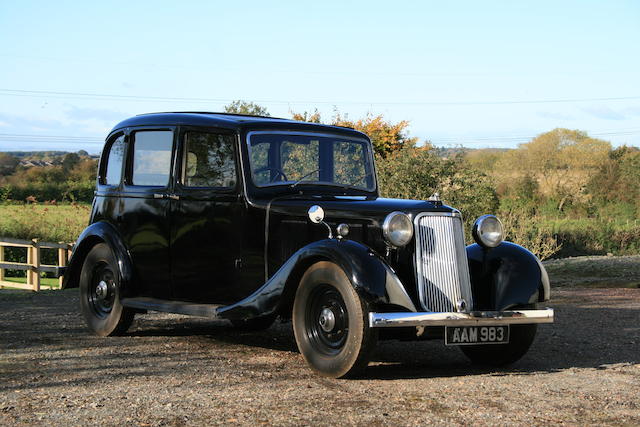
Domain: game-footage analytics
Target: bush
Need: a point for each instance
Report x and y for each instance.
(416, 173)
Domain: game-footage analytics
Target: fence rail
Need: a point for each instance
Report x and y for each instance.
(33, 267)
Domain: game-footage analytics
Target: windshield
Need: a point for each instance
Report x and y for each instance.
(298, 159)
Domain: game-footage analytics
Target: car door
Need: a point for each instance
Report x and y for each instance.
(144, 208)
(207, 217)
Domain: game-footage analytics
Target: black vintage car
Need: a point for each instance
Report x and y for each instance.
(251, 218)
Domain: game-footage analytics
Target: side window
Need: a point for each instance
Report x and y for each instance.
(115, 158)
(152, 158)
(209, 160)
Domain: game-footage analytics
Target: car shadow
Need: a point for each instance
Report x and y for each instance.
(581, 337)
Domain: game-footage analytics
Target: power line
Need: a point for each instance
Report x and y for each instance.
(139, 98)
(50, 139)
(65, 139)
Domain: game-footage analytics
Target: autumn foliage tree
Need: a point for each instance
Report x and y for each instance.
(562, 161)
(387, 137)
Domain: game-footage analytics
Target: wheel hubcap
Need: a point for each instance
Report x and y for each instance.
(327, 320)
(102, 290)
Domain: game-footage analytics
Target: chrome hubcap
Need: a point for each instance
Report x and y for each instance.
(327, 320)
(102, 290)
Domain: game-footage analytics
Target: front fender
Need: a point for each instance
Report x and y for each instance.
(368, 273)
(99, 232)
(506, 276)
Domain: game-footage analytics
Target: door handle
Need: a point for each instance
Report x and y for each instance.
(166, 196)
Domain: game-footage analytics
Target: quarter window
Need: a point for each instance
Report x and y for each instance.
(114, 162)
(209, 160)
(152, 158)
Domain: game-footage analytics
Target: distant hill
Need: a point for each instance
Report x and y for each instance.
(45, 158)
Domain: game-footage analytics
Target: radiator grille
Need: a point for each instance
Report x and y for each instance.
(441, 262)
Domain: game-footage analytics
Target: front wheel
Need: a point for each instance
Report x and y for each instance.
(100, 293)
(330, 322)
(521, 338)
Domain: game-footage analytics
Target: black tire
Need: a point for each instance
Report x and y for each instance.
(331, 323)
(255, 324)
(520, 339)
(100, 294)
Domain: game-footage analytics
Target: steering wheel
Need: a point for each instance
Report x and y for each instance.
(279, 173)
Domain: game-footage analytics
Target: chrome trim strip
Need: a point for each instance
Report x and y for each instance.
(476, 318)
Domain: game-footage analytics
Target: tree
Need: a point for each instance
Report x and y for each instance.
(416, 173)
(8, 164)
(386, 137)
(618, 179)
(69, 161)
(562, 161)
(245, 107)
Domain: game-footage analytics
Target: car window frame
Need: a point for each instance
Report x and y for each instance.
(104, 161)
(330, 186)
(127, 180)
(181, 159)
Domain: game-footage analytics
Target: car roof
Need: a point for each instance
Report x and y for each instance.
(226, 120)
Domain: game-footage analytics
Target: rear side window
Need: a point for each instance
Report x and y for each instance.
(209, 160)
(115, 158)
(152, 158)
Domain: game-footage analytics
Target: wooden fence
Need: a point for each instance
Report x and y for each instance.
(33, 267)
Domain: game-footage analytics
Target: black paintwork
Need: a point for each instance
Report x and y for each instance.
(246, 248)
(506, 276)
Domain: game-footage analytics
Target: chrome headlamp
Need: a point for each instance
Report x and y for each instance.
(488, 231)
(397, 229)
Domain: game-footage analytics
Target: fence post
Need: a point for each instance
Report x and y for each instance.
(33, 259)
(62, 261)
(1, 260)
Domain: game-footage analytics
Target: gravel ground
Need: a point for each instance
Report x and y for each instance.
(176, 370)
(596, 271)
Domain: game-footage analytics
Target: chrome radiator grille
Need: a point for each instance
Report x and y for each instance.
(441, 262)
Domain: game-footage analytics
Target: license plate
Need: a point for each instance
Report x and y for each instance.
(471, 335)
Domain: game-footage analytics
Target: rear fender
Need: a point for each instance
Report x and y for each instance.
(99, 232)
(506, 276)
(368, 273)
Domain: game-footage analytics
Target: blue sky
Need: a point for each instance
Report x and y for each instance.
(472, 73)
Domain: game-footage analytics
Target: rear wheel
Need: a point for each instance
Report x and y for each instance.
(100, 293)
(330, 322)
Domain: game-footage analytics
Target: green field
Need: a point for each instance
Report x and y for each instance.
(50, 223)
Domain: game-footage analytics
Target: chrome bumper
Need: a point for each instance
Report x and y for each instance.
(475, 318)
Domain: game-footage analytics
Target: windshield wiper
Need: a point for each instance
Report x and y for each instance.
(302, 179)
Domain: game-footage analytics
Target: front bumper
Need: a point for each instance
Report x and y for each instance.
(474, 318)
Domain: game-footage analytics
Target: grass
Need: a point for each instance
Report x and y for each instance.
(51, 223)
(44, 282)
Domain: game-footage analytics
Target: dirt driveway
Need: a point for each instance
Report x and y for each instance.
(175, 370)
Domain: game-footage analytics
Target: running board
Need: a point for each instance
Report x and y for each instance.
(178, 307)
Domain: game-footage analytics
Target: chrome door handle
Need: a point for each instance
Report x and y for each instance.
(166, 196)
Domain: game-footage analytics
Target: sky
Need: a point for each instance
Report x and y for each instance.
(464, 73)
